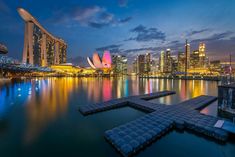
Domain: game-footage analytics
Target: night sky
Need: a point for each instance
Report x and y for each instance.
(127, 27)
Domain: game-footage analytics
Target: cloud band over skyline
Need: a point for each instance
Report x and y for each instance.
(125, 27)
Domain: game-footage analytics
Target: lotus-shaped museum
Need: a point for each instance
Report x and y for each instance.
(97, 63)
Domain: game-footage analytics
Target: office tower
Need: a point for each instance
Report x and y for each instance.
(154, 65)
(202, 55)
(40, 47)
(194, 59)
(119, 64)
(147, 62)
(187, 55)
(141, 64)
(162, 61)
(134, 66)
(181, 62)
(167, 62)
(174, 64)
(215, 66)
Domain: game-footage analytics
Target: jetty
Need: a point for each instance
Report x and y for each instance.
(134, 136)
(132, 101)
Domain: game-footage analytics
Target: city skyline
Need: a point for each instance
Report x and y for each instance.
(117, 78)
(86, 26)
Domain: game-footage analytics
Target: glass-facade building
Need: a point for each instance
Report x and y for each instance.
(119, 64)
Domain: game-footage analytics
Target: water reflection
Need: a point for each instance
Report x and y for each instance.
(45, 100)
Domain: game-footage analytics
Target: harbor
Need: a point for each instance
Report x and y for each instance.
(45, 110)
(117, 78)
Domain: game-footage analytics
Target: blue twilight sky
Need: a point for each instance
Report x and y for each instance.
(127, 27)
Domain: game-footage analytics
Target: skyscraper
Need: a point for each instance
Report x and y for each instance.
(147, 62)
(187, 56)
(168, 62)
(194, 59)
(174, 64)
(202, 54)
(181, 61)
(162, 61)
(119, 64)
(215, 66)
(141, 64)
(135, 66)
(40, 47)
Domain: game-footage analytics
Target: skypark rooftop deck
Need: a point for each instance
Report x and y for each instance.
(135, 135)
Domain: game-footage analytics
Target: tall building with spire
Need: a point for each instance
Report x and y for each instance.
(40, 47)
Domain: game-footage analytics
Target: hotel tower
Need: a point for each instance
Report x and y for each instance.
(40, 47)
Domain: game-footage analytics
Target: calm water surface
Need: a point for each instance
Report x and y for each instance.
(39, 117)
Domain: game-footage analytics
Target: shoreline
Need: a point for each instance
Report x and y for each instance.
(106, 76)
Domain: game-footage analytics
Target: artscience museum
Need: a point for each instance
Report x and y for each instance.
(97, 63)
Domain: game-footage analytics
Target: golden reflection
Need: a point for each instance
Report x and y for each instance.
(93, 88)
(47, 101)
(148, 86)
(119, 92)
(135, 85)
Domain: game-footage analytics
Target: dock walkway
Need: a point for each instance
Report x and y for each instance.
(132, 101)
(129, 138)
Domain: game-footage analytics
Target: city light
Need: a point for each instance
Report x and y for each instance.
(107, 78)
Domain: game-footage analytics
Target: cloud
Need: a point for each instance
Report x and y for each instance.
(141, 50)
(109, 47)
(125, 20)
(130, 53)
(144, 34)
(97, 24)
(194, 32)
(122, 3)
(214, 37)
(232, 38)
(83, 14)
(92, 16)
(175, 42)
(218, 45)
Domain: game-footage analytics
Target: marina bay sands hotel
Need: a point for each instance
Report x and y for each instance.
(40, 47)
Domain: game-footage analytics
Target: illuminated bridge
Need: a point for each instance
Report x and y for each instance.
(10, 65)
(40, 47)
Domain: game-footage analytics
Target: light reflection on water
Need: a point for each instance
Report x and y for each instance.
(47, 99)
(41, 102)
